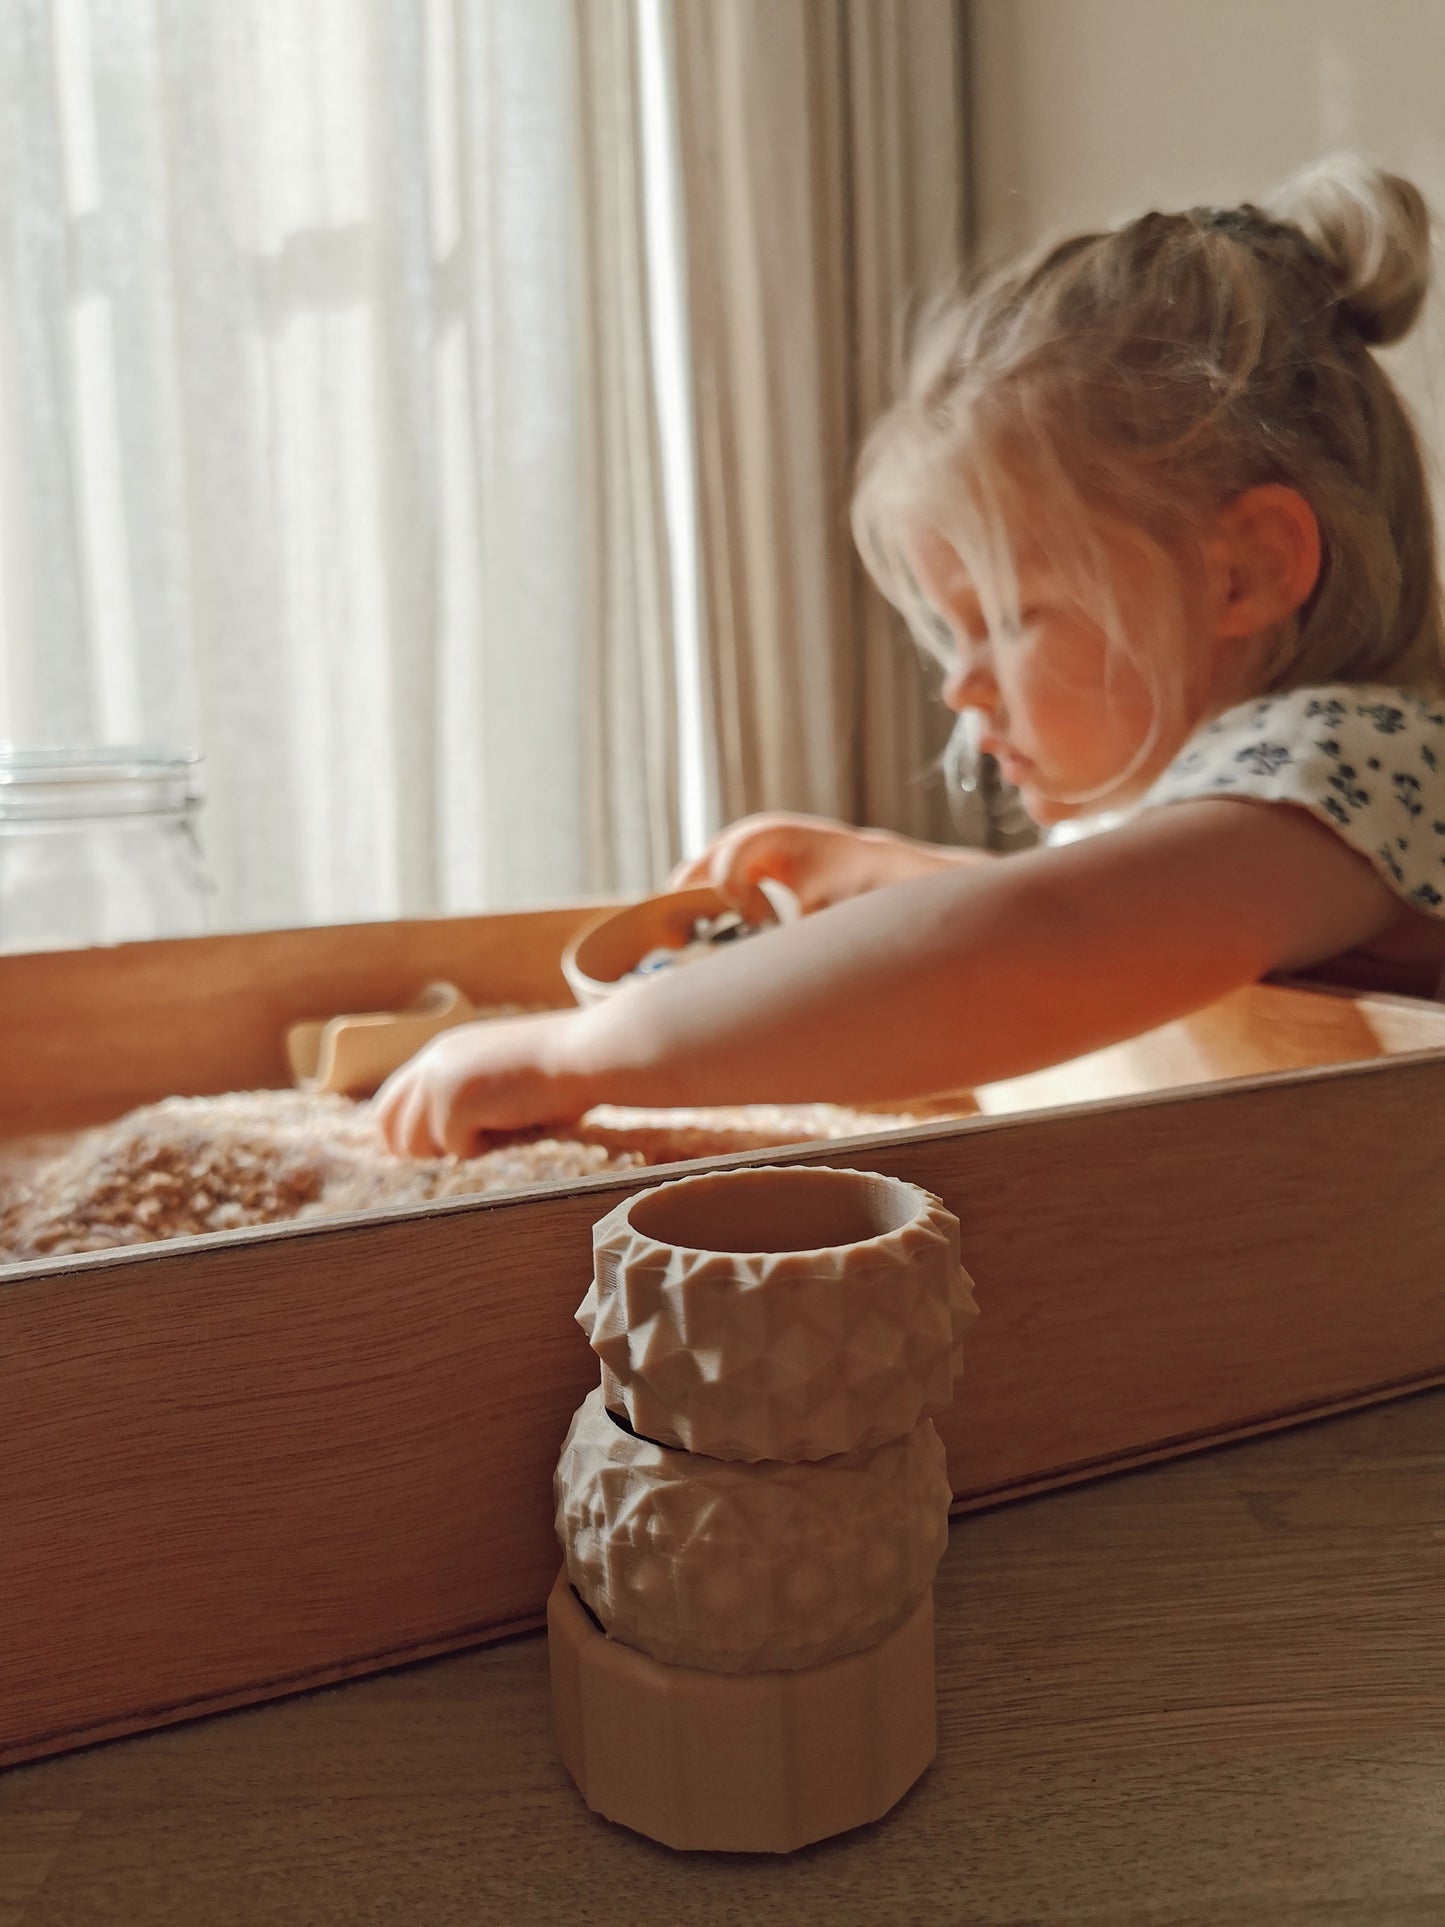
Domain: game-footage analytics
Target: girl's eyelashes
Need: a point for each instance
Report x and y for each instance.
(1017, 627)
(938, 629)
(957, 627)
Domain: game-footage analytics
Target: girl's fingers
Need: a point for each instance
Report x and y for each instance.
(400, 1130)
(386, 1111)
(454, 1133)
(693, 871)
(733, 872)
(732, 861)
(415, 1132)
(414, 1123)
(749, 901)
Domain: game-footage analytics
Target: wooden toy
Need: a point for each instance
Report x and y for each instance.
(249, 1464)
(679, 926)
(738, 1566)
(792, 1547)
(757, 1762)
(806, 1342)
(609, 946)
(355, 1054)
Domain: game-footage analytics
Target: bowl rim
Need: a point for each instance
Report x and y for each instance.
(580, 980)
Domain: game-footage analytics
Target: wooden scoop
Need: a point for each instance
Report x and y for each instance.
(354, 1054)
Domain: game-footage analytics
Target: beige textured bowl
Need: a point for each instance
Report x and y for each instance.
(602, 953)
(785, 1312)
(744, 1568)
(740, 1763)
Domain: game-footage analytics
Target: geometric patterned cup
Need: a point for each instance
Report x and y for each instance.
(784, 1312)
(752, 1505)
(748, 1568)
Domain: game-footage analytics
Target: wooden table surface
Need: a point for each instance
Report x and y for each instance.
(1207, 1695)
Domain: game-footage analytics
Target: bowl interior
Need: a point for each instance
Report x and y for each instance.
(600, 955)
(798, 1207)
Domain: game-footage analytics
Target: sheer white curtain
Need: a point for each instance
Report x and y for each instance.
(326, 437)
(345, 349)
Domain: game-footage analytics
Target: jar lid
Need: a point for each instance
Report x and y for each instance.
(60, 785)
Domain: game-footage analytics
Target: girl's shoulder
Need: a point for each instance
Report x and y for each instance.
(1367, 759)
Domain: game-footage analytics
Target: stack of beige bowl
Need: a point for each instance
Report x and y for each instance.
(752, 1505)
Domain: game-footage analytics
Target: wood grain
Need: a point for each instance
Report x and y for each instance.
(1210, 1695)
(1263, 1030)
(243, 1466)
(91, 1033)
(325, 1447)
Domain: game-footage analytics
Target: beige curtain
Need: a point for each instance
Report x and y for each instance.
(822, 163)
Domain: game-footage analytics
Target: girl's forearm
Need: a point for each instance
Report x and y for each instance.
(964, 977)
(921, 987)
(901, 858)
(988, 971)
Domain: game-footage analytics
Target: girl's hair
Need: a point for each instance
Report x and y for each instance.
(1128, 383)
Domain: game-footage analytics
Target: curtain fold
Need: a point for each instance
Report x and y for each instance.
(822, 157)
(630, 671)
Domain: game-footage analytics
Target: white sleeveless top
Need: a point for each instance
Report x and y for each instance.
(1367, 759)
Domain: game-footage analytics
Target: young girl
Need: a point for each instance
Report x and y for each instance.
(1156, 504)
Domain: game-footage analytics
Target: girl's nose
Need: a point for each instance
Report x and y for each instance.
(970, 684)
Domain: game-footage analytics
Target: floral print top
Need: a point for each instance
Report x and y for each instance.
(1366, 758)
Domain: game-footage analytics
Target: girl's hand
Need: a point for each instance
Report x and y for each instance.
(503, 1074)
(821, 862)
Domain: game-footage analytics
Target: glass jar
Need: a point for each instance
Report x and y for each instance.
(99, 846)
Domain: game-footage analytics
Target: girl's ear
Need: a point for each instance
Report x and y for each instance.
(1262, 559)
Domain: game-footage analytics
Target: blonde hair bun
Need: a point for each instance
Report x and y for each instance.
(1372, 231)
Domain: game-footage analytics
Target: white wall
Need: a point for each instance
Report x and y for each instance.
(1087, 110)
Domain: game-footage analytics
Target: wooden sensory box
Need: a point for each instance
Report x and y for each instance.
(241, 1466)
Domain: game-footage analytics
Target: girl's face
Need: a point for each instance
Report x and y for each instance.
(1069, 717)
